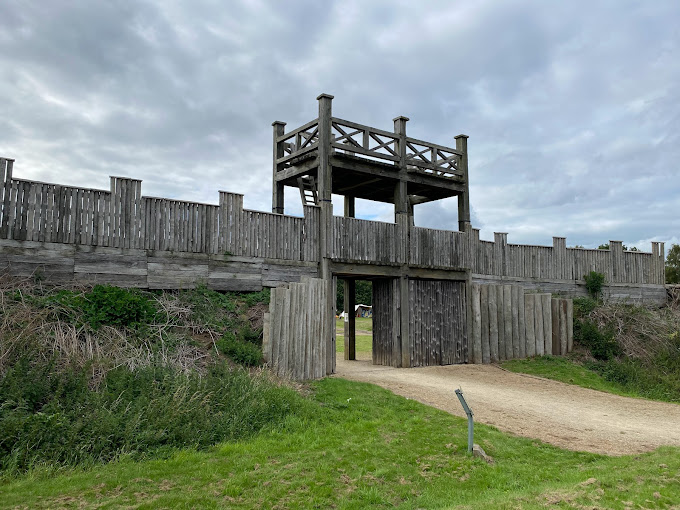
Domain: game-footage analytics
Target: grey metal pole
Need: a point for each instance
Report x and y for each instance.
(468, 411)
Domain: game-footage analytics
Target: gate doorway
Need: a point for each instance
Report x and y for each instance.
(354, 325)
(430, 331)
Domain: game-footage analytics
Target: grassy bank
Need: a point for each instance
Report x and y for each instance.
(624, 349)
(90, 374)
(353, 445)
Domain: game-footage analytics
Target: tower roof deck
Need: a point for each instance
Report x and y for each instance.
(368, 162)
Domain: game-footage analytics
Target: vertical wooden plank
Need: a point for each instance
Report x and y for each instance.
(476, 325)
(521, 323)
(45, 223)
(493, 325)
(502, 349)
(563, 326)
(539, 329)
(517, 341)
(507, 320)
(570, 324)
(530, 322)
(547, 324)
(555, 319)
(484, 308)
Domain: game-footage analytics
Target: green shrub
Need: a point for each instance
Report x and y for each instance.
(602, 345)
(105, 305)
(242, 352)
(583, 306)
(594, 283)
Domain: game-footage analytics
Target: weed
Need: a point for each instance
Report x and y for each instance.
(594, 283)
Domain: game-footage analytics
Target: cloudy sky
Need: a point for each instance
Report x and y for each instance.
(572, 108)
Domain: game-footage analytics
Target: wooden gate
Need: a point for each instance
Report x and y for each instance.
(386, 331)
(437, 322)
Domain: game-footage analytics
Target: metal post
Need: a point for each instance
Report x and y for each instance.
(468, 411)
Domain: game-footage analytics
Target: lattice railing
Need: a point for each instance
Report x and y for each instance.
(432, 159)
(369, 142)
(299, 142)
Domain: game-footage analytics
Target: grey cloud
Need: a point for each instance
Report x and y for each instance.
(573, 108)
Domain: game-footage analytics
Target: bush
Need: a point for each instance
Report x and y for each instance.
(241, 352)
(602, 345)
(594, 283)
(52, 417)
(106, 305)
(583, 306)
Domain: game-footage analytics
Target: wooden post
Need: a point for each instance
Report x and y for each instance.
(563, 327)
(546, 348)
(484, 308)
(517, 340)
(277, 187)
(616, 249)
(530, 314)
(539, 347)
(559, 258)
(325, 185)
(507, 320)
(502, 353)
(555, 319)
(476, 324)
(464, 199)
(349, 206)
(350, 319)
(7, 165)
(403, 220)
(500, 251)
(493, 325)
(570, 324)
(522, 323)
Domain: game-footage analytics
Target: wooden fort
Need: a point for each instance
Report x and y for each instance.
(440, 296)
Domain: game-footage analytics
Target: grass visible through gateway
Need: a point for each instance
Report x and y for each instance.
(364, 336)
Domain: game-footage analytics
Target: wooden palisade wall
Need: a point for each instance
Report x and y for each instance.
(509, 324)
(296, 343)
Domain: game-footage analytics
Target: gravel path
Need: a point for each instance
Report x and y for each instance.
(560, 414)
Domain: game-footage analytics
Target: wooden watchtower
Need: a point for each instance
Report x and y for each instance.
(329, 155)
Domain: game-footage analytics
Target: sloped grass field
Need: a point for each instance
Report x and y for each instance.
(353, 445)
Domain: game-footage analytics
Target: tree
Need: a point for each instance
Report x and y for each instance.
(625, 248)
(673, 264)
(363, 294)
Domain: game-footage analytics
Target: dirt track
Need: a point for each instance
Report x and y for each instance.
(560, 414)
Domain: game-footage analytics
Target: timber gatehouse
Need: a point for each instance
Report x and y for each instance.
(440, 296)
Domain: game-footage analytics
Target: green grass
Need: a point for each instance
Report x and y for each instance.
(355, 445)
(567, 371)
(364, 343)
(361, 324)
